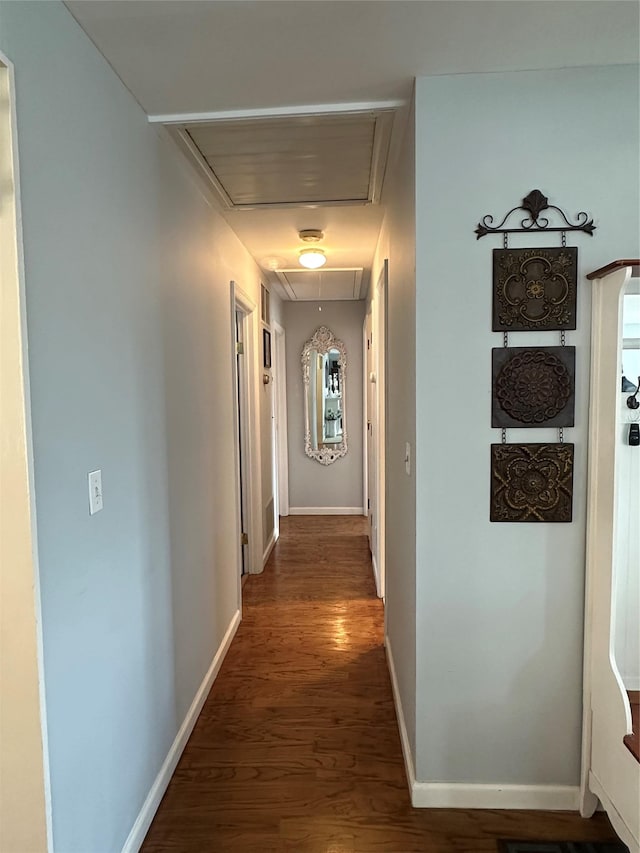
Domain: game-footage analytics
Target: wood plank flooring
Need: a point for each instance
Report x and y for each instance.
(297, 747)
(632, 741)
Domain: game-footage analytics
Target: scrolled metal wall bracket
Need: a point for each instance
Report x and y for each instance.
(533, 205)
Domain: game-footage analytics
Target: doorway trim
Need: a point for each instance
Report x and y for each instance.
(375, 423)
(241, 302)
(380, 355)
(26, 791)
(368, 426)
(280, 412)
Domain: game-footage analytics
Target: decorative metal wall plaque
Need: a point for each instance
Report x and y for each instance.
(533, 205)
(534, 289)
(533, 386)
(531, 482)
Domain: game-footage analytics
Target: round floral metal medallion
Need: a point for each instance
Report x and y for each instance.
(533, 386)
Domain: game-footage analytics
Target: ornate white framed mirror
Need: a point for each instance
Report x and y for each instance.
(324, 376)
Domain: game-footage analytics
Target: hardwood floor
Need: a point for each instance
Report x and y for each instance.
(632, 741)
(297, 747)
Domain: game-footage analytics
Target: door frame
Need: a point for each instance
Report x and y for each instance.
(369, 425)
(26, 793)
(281, 466)
(242, 439)
(375, 408)
(380, 357)
(240, 301)
(365, 428)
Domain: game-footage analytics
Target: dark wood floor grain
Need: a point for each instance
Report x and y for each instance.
(297, 747)
(632, 741)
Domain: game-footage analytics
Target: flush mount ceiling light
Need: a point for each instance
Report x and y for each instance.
(312, 259)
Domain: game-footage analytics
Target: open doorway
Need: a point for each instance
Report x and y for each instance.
(24, 788)
(281, 449)
(375, 343)
(243, 314)
(242, 440)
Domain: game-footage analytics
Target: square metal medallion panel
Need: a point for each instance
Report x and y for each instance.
(534, 289)
(531, 482)
(533, 386)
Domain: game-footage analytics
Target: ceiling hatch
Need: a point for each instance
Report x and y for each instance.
(317, 160)
(318, 285)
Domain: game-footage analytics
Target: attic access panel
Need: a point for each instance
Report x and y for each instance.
(295, 160)
(320, 285)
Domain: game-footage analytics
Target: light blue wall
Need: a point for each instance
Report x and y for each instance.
(500, 606)
(128, 314)
(398, 243)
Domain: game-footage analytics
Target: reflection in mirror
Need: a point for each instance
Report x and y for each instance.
(324, 370)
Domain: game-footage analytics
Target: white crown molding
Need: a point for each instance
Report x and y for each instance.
(276, 112)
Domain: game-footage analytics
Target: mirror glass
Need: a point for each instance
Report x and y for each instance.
(324, 373)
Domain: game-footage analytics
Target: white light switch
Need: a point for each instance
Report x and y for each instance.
(407, 458)
(95, 492)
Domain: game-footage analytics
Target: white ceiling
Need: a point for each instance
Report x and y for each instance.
(185, 56)
(180, 57)
(350, 233)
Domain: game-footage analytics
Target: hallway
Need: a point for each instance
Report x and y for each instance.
(297, 747)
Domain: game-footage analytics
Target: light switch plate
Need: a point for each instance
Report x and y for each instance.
(95, 492)
(407, 458)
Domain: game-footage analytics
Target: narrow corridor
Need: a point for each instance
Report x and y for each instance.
(297, 747)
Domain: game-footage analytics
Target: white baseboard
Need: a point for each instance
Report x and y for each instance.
(326, 510)
(376, 576)
(267, 551)
(631, 682)
(150, 805)
(404, 737)
(443, 795)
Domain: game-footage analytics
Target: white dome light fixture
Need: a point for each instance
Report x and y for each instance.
(314, 258)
